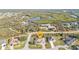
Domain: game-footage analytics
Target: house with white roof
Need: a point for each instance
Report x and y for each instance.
(48, 26)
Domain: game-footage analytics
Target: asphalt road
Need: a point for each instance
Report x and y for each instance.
(30, 34)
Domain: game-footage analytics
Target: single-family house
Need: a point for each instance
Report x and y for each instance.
(48, 26)
(69, 40)
(14, 41)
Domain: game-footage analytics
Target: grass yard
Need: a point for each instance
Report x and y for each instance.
(37, 46)
(44, 21)
(48, 45)
(58, 42)
(21, 45)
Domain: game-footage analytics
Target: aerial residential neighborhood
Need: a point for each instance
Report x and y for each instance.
(39, 29)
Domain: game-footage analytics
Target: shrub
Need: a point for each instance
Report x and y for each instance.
(47, 45)
(23, 38)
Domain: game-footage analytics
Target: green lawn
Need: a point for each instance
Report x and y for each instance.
(20, 46)
(37, 46)
(48, 45)
(58, 42)
(44, 21)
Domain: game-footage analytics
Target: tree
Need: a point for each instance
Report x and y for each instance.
(74, 47)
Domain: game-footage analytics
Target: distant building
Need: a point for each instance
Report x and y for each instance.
(51, 27)
(48, 26)
(66, 24)
(45, 25)
(69, 24)
(25, 23)
(74, 16)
